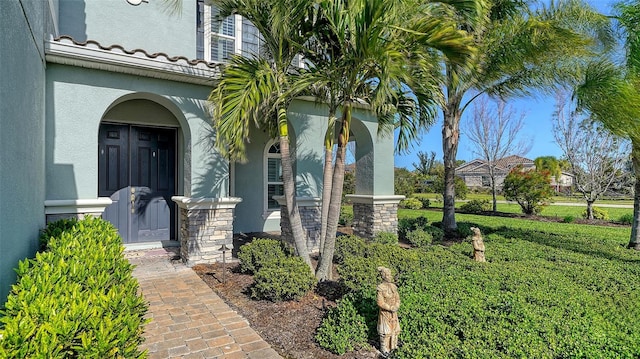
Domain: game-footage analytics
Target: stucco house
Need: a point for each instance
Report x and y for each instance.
(103, 112)
(475, 173)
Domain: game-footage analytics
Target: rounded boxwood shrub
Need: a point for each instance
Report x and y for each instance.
(285, 279)
(385, 238)
(419, 237)
(411, 203)
(343, 329)
(255, 255)
(476, 206)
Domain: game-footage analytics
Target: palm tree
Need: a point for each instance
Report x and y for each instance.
(519, 52)
(256, 92)
(374, 59)
(611, 93)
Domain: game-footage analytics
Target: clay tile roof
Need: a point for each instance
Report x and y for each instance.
(136, 52)
(512, 161)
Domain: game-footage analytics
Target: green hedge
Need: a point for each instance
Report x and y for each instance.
(76, 299)
(260, 252)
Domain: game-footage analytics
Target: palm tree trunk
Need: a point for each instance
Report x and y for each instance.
(450, 138)
(288, 179)
(325, 265)
(634, 241)
(327, 179)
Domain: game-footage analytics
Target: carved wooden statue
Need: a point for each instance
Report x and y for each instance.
(389, 301)
(478, 245)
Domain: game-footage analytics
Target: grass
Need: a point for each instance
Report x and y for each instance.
(552, 210)
(548, 290)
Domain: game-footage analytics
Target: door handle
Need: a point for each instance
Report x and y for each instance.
(133, 201)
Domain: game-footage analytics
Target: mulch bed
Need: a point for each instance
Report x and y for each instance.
(289, 327)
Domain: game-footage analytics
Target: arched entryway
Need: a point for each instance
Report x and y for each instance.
(137, 169)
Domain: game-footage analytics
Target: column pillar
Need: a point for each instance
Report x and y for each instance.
(373, 214)
(310, 209)
(206, 224)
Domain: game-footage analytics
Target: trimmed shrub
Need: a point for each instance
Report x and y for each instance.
(385, 238)
(464, 230)
(77, 299)
(436, 233)
(626, 219)
(419, 237)
(346, 216)
(285, 279)
(259, 252)
(348, 246)
(55, 229)
(343, 329)
(411, 203)
(598, 213)
(476, 206)
(406, 225)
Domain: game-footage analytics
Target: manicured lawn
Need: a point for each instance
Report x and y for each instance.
(548, 290)
(553, 210)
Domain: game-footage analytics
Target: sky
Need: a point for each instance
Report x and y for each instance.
(538, 126)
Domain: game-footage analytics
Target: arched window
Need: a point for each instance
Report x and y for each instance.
(273, 179)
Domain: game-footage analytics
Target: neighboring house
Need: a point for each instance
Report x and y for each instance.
(104, 112)
(475, 173)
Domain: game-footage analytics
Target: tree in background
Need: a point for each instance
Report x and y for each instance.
(425, 163)
(551, 164)
(530, 189)
(610, 93)
(404, 182)
(597, 157)
(494, 132)
(521, 49)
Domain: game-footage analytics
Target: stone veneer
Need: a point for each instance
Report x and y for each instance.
(373, 214)
(206, 224)
(310, 212)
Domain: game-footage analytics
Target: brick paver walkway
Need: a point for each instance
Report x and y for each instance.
(188, 320)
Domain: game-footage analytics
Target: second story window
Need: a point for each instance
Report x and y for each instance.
(217, 38)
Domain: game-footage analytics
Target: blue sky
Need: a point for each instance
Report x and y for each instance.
(538, 125)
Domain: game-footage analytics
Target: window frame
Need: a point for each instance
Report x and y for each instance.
(270, 213)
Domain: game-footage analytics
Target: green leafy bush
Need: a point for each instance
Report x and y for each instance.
(55, 229)
(346, 216)
(77, 299)
(419, 237)
(529, 188)
(476, 206)
(385, 238)
(464, 230)
(569, 219)
(411, 203)
(285, 279)
(343, 329)
(347, 246)
(259, 252)
(598, 213)
(406, 225)
(626, 219)
(426, 203)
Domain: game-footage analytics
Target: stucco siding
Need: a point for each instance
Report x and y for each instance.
(151, 26)
(78, 99)
(22, 175)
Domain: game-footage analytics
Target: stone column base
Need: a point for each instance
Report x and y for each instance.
(206, 225)
(310, 209)
(74, 208)
(373, 214)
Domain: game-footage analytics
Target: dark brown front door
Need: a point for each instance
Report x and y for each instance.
(136, 169)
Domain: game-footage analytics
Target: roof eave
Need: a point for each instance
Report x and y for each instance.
(96, 58)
